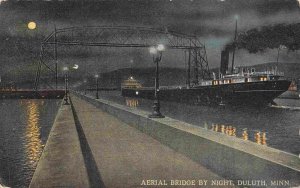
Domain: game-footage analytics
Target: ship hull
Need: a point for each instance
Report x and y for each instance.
(238, 93)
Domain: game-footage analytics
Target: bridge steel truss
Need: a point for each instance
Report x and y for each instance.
(122, 36)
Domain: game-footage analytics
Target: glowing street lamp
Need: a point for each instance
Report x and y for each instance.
(85, 87)
(156, 52)
(160, 48)
(97, 95)
(75, 67)
(66, 69)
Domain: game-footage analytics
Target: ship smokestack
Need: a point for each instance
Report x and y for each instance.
(224, 61)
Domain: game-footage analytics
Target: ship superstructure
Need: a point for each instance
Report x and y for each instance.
(243, 86)
(240, 85)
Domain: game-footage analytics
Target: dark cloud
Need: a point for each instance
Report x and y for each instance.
(211, 20)
(275, 36)
(200, 16)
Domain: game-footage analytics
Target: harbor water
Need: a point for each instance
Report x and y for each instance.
(25, 126)
(279, 123)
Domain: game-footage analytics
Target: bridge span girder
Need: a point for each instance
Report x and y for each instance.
(121, 36)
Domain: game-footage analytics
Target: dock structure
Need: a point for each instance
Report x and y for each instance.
(98, 143)
(114, 154)
(61, 163)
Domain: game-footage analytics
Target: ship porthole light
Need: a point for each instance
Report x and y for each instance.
(137, 93)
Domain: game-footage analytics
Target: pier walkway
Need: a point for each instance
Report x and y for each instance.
(88, 147)
(98, 143)
(62, 163)
(125, 156)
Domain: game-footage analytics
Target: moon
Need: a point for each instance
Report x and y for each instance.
(75, 66)
(31, 25)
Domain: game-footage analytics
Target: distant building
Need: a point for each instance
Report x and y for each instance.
(131, 83)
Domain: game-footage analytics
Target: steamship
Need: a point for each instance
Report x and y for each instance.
(243, 85)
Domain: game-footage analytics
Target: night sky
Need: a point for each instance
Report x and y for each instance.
(211, 20)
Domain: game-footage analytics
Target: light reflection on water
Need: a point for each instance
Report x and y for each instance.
(132, 102)
(277, 127)
(25, 126)
(260, 137)
(33, 142)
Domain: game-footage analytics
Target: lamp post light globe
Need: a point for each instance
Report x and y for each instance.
(153, 50)
(75, 66)
(97, 94)
(65, 69)
(160, 47)
(236, 17)
(157, 54)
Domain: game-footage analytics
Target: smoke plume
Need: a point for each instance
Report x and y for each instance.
(274, 36)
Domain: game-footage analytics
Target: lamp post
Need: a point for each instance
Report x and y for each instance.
(85, 87)
(156, 54)
(97, 95)
(66, 69)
